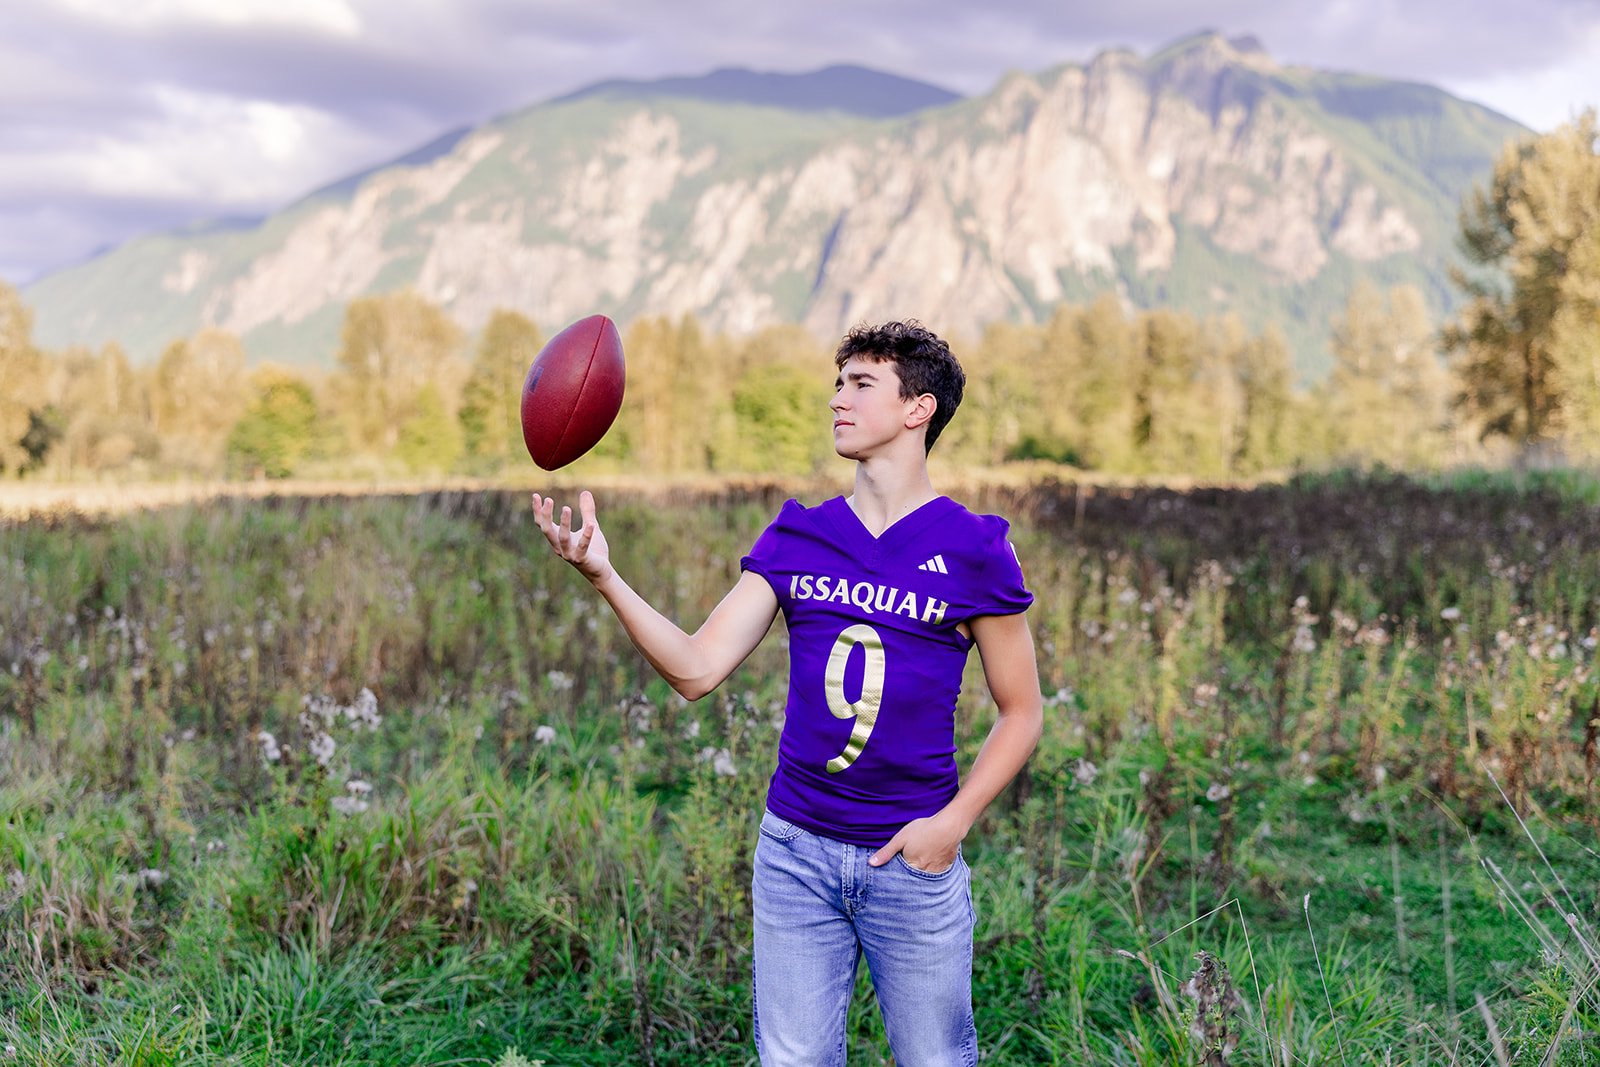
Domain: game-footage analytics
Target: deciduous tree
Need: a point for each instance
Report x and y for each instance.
(197, 392)
(22, 381)
(1388, 394)
(491, 400)
(430, 440)
(1527, 340)
(1265, 439)
(278, 429)
(106, 408)
(392, 346)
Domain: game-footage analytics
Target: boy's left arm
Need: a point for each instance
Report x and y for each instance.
(1005, 644)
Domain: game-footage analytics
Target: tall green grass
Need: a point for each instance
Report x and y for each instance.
(377, 781)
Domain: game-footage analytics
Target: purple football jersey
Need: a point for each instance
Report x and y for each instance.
(875, 657)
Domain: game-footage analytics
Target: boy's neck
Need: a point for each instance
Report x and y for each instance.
(888, 488)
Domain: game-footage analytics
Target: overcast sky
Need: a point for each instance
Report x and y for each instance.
(119, 117)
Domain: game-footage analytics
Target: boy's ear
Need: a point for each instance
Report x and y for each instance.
(921, 411)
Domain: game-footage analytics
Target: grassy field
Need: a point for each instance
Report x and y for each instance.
(374, 780)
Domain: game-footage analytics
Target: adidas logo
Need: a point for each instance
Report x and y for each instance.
(936, 565)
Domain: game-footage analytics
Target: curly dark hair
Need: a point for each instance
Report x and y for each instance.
(923, 362)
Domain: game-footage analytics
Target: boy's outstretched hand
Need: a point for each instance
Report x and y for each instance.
(585, 548)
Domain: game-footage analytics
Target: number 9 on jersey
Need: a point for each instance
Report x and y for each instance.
(864, 710)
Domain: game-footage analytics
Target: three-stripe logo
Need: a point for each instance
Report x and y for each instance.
(936, 565)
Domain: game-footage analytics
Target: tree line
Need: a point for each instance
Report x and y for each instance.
(1098, 387)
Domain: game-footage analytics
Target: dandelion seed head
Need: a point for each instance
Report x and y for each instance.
(322, 747)
(269, 746)
(365, 710)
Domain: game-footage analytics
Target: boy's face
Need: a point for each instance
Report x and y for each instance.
(867, 409)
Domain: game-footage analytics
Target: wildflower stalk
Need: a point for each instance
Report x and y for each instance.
(1452, 1023)
(1401, 951)
(1322, 975)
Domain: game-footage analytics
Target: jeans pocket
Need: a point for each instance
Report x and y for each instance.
(777, 828)
(900, 857)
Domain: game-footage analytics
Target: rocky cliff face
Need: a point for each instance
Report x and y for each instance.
(1205, 176)
(1085, 172)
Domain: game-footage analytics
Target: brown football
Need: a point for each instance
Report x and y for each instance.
(573, 392)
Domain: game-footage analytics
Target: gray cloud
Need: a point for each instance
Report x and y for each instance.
(117, 119)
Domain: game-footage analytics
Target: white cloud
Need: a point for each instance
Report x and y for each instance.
(195, 107)
(1542, 99)
(329, 16)
(210, 149)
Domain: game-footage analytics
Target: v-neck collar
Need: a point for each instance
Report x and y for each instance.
(873, 550)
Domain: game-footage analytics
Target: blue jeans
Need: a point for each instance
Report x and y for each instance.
(819, 907)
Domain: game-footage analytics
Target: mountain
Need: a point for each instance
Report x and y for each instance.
(1206, 177)
(848, 89)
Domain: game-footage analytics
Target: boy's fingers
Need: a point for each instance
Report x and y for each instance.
(886, 853)
(541, 514)
(571, 542)
(563, 530)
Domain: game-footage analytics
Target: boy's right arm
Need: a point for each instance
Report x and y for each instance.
(693, 664)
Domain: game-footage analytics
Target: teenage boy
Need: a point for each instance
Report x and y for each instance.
(884, 594)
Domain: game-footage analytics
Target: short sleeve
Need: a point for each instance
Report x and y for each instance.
(763, 554)
(1001, 589)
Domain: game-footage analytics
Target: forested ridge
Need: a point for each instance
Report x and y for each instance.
(1098, 386)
